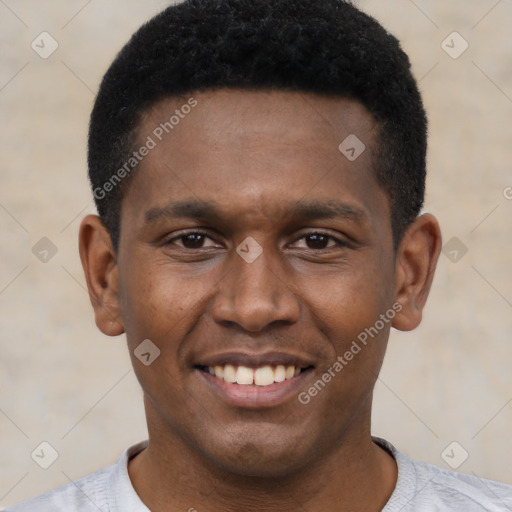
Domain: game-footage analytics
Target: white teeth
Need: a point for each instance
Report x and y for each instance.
(262, 376)
(280, 373)
(229, 373)
(244, 375)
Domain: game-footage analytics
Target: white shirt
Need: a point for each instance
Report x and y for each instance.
(420, 487)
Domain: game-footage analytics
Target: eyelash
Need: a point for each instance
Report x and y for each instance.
(339, 242)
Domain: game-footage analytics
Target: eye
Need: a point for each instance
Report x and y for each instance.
(320, 241)
(192, 240)
(196, 240)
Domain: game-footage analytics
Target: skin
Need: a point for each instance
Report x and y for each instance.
(256, 155)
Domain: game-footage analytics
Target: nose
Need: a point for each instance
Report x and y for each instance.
(255, 295)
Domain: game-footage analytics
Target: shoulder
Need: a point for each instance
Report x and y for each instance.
(425, 487)
(107, 489)
(464, 492)
(83, 495)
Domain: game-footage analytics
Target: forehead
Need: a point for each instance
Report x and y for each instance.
(246, 116)
(259, 148)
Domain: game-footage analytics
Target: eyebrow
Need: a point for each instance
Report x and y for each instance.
(209, 211)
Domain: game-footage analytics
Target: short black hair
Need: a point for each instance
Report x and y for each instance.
(325, 47)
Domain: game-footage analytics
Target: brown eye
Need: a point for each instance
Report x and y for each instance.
(317, 241)
(192, 240)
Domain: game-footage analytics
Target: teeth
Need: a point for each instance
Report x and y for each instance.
(229, 373)
(219, 371)
(262, 376)
(280, 373)
(290, 372)
(244, 375)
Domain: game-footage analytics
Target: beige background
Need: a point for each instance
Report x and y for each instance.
(63, 382)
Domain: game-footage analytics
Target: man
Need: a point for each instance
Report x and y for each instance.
(259, 171)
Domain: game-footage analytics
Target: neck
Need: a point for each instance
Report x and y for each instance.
(355, 475)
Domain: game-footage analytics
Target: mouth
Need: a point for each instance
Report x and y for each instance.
(264, 375)
(254, 381)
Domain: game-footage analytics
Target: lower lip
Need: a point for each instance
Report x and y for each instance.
(252, 396)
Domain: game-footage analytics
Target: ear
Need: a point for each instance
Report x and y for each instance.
(99, 264)
(416, 263)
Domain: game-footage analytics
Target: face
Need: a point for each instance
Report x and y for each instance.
(253, 250)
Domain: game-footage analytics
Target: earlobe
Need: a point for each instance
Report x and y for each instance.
(99, 263)
(414, 272)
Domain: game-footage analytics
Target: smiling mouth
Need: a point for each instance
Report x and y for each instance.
(260, 376)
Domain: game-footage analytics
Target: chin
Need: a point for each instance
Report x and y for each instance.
(262, 460)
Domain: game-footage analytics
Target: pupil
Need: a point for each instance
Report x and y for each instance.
(196, 241)
(319, 241)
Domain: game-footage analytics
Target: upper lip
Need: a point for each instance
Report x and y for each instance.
(253, 360)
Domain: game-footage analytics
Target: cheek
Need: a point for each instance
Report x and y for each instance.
(161, 303)
(348, 316)
(345, 316)
(148, 301)
(349, 300)
(153, 309)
